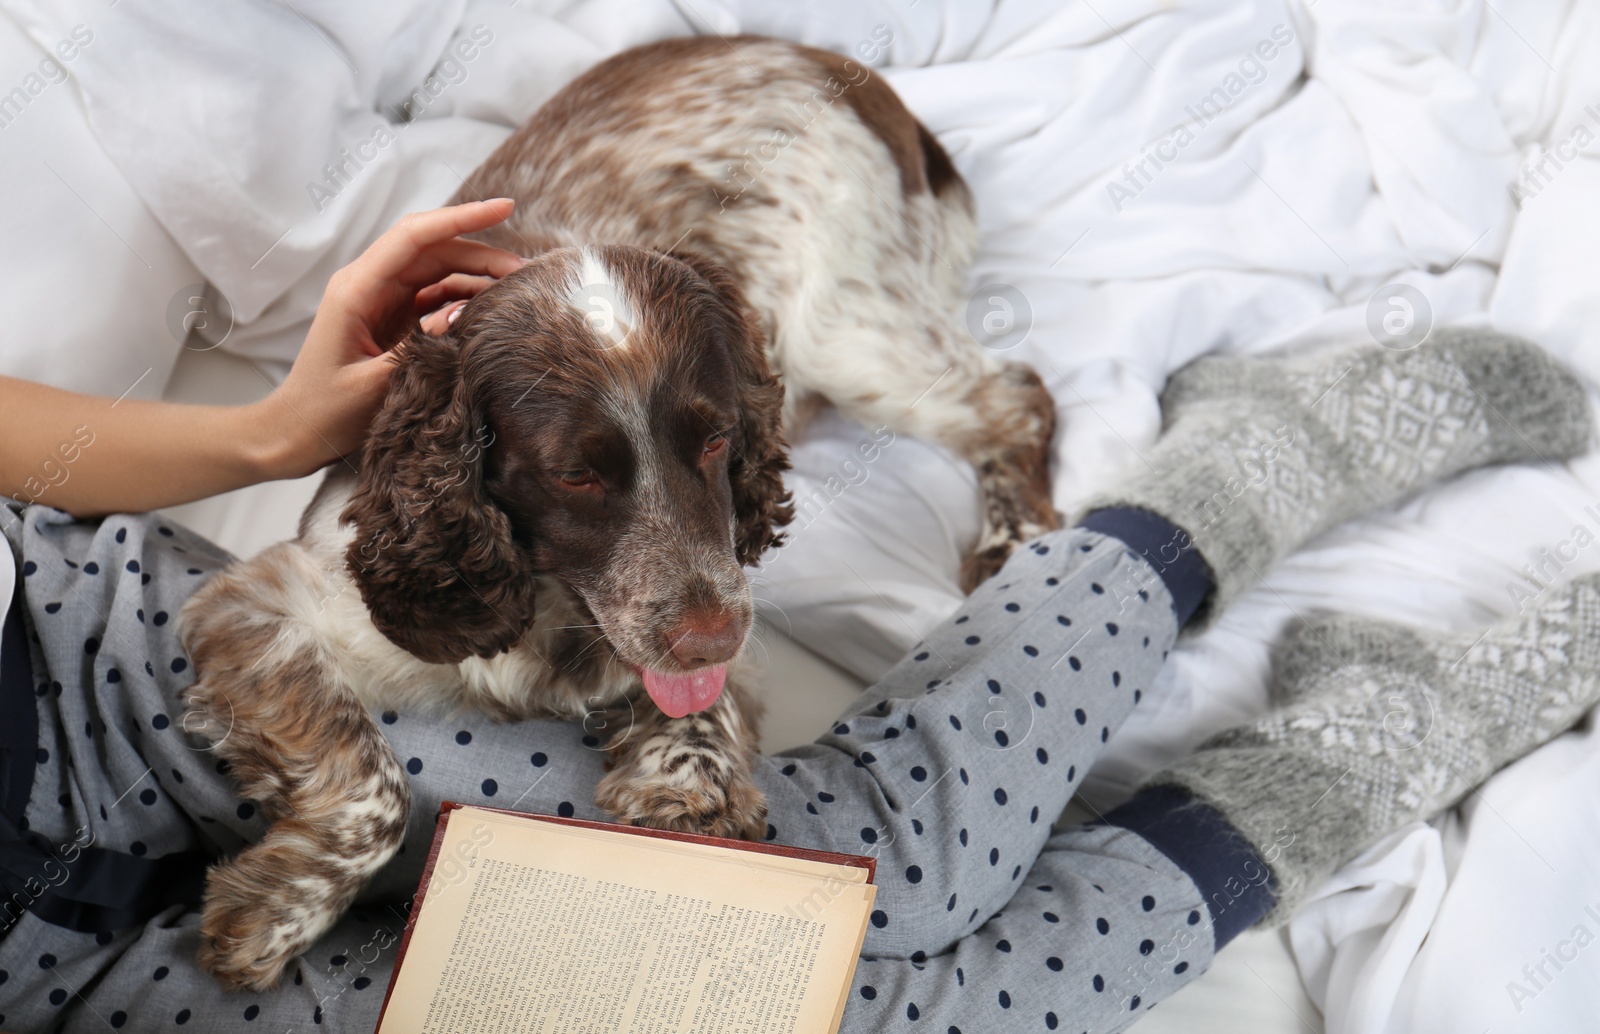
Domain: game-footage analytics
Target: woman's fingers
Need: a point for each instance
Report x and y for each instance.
(444, 300)
(417, 266)
(394, 253)
(455, 255)
(437, 323)
(451, 288)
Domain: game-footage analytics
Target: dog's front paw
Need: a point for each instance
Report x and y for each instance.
(722, 804)
(266, 906)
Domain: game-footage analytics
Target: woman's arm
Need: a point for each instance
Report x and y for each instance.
(90, 455)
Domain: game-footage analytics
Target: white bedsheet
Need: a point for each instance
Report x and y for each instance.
(1355, 146)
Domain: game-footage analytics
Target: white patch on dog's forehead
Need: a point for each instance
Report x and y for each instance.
(601, 300)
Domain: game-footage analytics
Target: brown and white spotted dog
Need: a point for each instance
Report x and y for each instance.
(554, 506)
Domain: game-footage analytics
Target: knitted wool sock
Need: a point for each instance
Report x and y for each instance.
(1382, 725)
(1263, 453)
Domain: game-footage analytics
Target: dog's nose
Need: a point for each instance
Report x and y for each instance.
(701, 639)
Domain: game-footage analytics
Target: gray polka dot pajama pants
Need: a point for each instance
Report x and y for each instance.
(950, 772)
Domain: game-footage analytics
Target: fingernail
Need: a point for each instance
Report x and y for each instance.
(497, 200)
(454, 313)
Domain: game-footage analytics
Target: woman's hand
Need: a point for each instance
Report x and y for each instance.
(90, 455)
(323, 408)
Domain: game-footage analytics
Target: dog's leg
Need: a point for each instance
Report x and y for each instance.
(997, 416)
(302, 745)
(889, 348)
(337, 799)
(1011, 454)
(691, 774)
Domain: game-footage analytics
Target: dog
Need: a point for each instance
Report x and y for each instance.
(555, 504)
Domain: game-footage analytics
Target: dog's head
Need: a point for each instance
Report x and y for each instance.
(604, 415)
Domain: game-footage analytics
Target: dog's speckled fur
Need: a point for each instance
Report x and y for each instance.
(699, 226)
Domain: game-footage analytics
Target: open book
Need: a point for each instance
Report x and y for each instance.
(532, 923)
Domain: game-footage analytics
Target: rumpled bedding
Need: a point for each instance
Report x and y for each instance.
(1155, 181)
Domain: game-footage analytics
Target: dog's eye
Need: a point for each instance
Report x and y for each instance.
(578, 478)
(716, 442)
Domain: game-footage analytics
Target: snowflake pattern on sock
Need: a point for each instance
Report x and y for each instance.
(1381, 725)
(1407, 420)
(1263, 453)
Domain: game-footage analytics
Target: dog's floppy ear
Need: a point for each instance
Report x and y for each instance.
(435, 560)
(760, 501)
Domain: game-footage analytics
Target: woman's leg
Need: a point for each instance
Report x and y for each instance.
(952, 768)
(974, 730)
(941, 839)
(1380, 726)
(1111, 918)
(1102, 927)
(122, 810)
(1258, 456)
(144, 978)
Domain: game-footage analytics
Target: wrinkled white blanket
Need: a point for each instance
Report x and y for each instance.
(1155, 181)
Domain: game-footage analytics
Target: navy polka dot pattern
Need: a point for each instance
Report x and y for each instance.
(1017, 728)
(949, 772)
(1021, 971)
(1054, 675)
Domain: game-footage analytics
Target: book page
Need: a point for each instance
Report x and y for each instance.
(532, 926)
(801, 866)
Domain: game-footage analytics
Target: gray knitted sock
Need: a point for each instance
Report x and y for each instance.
(1381, 725)
(1263, 453)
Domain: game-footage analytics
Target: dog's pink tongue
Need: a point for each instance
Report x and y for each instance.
(678, 695)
